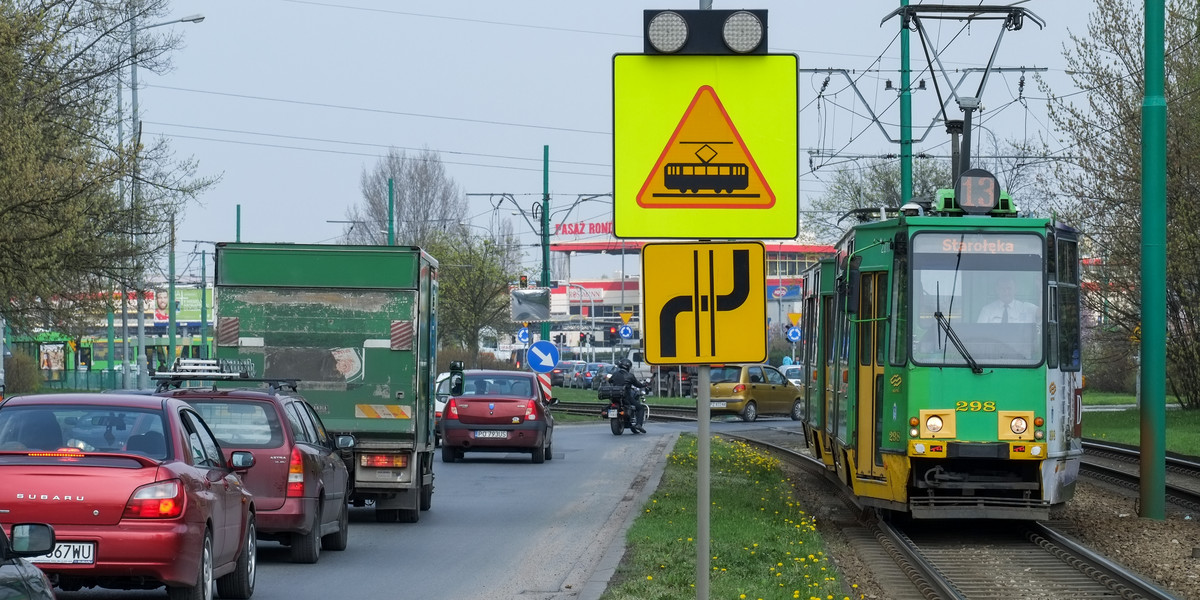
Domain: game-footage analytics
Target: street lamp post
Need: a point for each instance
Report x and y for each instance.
(143, 375)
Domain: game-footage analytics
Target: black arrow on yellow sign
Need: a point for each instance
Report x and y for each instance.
(700, 301)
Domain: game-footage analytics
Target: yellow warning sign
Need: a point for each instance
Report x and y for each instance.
(795, 318)
(706, 164)
(705, 147)
(625, 316)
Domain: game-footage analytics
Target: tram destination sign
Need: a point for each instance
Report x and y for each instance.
(977, 243)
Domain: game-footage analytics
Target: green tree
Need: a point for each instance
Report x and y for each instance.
(70, 235)
(1100, 189)
(473, 284)
(874, 184)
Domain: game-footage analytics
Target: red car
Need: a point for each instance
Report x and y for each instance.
(300, 483)
(137, 489)
(498, 411)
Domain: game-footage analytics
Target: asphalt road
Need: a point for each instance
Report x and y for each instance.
(500, 527)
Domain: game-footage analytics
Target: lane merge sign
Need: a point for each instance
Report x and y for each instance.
(704, 303)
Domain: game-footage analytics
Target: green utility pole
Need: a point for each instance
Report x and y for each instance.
(906, 144)
(1154, 271)
(545, 229)
(391, 213)
(112, 350)
(203, 307)
(238, 237)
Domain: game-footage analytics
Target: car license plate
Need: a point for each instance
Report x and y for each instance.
(503, 435)
(73, 553)
(717, 404)
(612, 413)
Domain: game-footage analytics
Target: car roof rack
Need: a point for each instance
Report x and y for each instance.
(201, 369)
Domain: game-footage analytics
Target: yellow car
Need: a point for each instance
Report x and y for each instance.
(752, 390)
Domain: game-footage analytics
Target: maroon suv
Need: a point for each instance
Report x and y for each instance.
(300, 483)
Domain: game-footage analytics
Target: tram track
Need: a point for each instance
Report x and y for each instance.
(1119, 465)
(945, 560)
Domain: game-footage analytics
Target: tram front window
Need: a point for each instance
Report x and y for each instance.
(989, 286)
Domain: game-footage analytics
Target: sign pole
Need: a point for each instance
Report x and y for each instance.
(703, 503)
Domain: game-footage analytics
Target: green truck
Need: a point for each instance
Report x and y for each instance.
(357, 327)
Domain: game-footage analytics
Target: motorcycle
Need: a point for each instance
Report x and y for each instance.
(620, 413)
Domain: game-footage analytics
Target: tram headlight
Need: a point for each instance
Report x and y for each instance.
(933, 424)
(914, 432)
(1018, 425)
(1037, 435)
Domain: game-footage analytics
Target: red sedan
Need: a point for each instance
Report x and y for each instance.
(138, 491)
(498, 411)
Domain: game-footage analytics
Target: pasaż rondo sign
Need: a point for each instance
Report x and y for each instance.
(542, 356)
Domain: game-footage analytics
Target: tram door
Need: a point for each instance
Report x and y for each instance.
(871, 350)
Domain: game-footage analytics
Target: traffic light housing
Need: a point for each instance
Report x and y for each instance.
(613, 336)
(582, 338)
(524, 281)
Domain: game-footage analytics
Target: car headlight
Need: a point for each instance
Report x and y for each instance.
(933, 424)
(1018, 425)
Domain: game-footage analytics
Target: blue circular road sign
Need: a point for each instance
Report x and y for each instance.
(793, 334)
(542, 356)
(523, 335)
(625, 331)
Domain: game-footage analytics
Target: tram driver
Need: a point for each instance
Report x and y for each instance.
(1007, 308)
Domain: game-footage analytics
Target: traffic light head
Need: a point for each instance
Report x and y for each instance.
(524, 281)
(612, 334)
(582, 338)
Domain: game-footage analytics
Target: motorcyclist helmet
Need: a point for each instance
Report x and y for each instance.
(624, 364)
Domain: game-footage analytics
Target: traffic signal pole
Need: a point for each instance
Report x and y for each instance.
(545, 229)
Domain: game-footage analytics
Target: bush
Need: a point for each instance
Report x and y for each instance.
(21, 375)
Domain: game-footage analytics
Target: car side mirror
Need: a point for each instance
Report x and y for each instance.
(344, 442)
(553, 401)
(31, 539)
(241, 460)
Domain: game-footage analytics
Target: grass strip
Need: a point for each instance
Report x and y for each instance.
(764, 545)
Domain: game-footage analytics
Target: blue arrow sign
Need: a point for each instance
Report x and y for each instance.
(793, 334)
(543, 355)
(625, 331)
(523, 335)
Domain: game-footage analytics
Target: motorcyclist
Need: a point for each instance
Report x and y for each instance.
(626, 382)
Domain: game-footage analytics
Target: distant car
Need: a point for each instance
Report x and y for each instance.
(300, 482)
(498, 411)
(582, 378)
(441, 393)
(601, 377)
(560, 372)
(795, 374)
(137, 489)
(19, 578)
(752, 390)
(573, 367)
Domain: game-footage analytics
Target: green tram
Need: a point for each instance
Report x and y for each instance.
(942, 353)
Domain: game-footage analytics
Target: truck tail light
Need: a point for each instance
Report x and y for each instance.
(295, 480)
(390, 461)
(160, 500)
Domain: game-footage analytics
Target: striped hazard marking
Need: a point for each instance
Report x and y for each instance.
(380, 411)
(544, 380)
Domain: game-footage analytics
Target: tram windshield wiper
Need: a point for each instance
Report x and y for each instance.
(944, 323)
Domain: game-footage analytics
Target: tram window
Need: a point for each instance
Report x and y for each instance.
(866, 312)
(1052, 327)
(1068, 262)
(881, 316)
(1068, 328)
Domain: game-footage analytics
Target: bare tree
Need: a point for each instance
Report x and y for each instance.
(871, 185)
(426, 201)
(1101, 189)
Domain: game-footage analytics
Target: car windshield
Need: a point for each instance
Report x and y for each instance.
(792, 372)
(241, 424)
(497, 385)
(726, 374)
(88, 428)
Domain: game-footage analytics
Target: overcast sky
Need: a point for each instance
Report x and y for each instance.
(288, 101)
